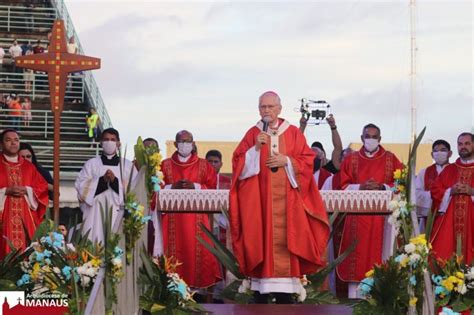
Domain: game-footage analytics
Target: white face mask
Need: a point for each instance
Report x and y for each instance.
(371, 145)
(185, 148)
(440, 157)
(109, 147)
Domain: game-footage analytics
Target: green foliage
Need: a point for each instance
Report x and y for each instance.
(113, 272)
(221, 252)
(158, 297)
(389, 294)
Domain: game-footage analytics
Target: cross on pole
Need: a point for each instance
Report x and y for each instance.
(58, 63)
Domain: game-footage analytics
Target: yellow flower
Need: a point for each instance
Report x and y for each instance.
(397, 174)
(404, 262)
(401, 188)
(413, 300)
(369, 273)
(448, 284)
(36, 271)
(419, 240)
(95, 262)
(460, 275)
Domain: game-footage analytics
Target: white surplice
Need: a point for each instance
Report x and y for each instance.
(90, 203)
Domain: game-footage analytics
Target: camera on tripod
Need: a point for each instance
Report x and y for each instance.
(315, 112)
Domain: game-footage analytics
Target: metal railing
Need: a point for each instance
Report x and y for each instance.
(26, 19)
(15, 82)
(90, 84)
(73, 153)
(73, 123)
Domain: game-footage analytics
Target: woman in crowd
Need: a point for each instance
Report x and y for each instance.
(26, 152)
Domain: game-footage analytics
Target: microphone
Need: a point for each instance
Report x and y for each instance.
(266, 121)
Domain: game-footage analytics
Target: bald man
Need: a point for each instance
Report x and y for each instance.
(278, 222)
(185, 170)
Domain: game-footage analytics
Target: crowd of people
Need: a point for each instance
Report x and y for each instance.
(16, 110)
(279, 228)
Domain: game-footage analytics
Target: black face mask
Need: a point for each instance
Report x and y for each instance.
(316, 165)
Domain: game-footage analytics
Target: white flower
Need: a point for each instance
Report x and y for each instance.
(402, 204)
(117, 261)
(71, 247)
(85, 281)
(245, 286)
(470, 274)
(414, 258)
(302, 295)
(392, 205)
(81, 270)
(462, 289)
(410, 248)
(91, 272)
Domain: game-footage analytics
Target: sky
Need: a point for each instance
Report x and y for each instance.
(201, 66)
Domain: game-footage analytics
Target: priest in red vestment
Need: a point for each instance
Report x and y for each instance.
(453, 196)
(370, 168)
(278, 221)
(440, 152)
(185, 170)
(23, 195)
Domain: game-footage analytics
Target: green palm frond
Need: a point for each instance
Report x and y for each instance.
(220, 251)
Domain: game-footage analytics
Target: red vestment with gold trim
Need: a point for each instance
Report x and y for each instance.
(277, 230)
(357, 168)
(199, 267)
(17, 215)
(458, 218)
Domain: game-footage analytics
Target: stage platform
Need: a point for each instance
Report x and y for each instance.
(276, 309)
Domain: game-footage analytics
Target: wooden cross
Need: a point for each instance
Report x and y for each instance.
(58, 63)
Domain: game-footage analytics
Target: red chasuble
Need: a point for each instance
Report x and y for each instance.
(357, 168)
(199, 267)
(16, 211)
(459, 217)
(323, 175)
(277, 230)
(430, 176)
(223, 181)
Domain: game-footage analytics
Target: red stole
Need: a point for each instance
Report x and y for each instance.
(459, 217)
(430, 176)
(277, 231)
(357, 168)
(323, 175)
(199, 267)
(16, 212)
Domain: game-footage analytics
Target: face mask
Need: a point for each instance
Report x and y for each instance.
(109, 147)
(440, 157)
(185, 148)
(371, 144)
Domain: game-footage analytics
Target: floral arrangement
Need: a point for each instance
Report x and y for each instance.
(133, 223)
(402, 282)
(400, 206)
(52, 265)
(384, 290)
(150, 157)
(454, 284)
(407, 268)
(164, 290)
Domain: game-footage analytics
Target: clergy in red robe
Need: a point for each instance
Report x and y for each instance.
(185, 170)
(23, 195)
(440, 152)
(370, 168)
(278, 222)
(453, 196)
